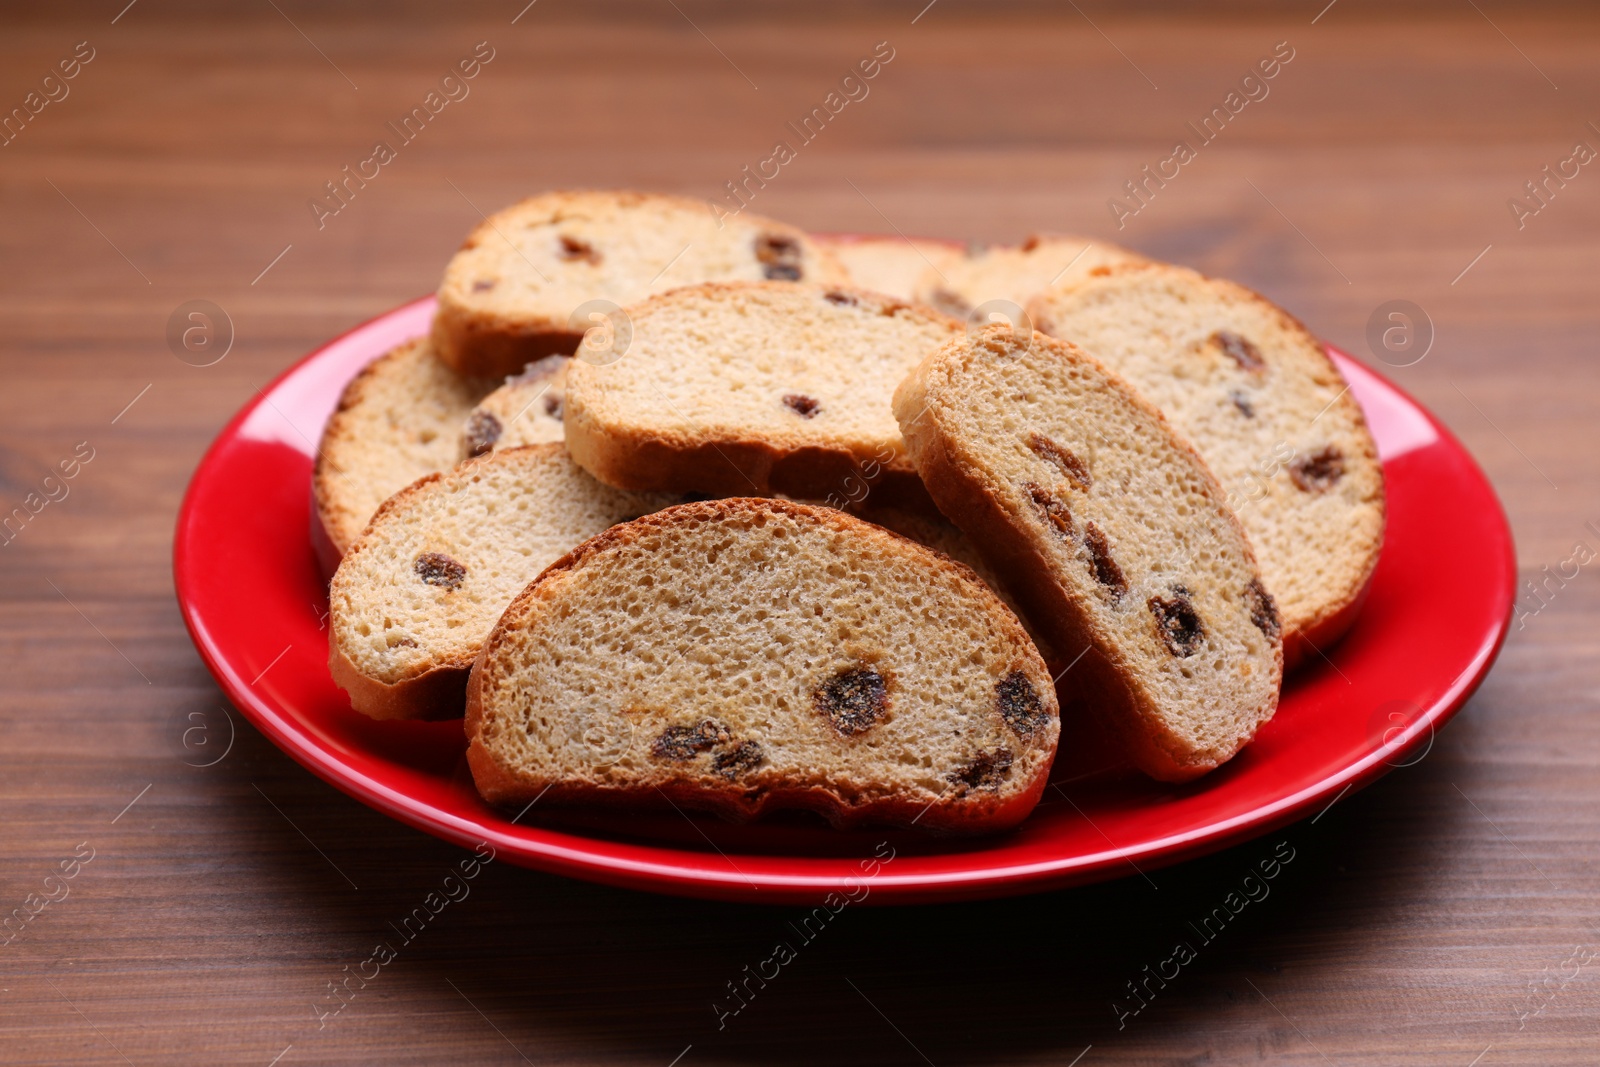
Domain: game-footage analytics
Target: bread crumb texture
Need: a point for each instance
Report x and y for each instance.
(745, 654)
(525, 271)
(422, 589)
(1261, 401)
(1109, 528)
(752, 375)
(526, 410)
(399, 419)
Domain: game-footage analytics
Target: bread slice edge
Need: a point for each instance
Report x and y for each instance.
(497, 785)
(1306, 641)
(1098, 680)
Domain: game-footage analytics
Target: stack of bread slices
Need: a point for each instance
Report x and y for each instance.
(715, 513)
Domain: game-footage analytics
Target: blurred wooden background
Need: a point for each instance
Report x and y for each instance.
(1416, 928)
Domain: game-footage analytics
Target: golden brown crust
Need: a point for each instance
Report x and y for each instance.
(647, 457)
(434, 686)
(1338, 611)
(644, 459)
(495, 345)
(429, 691)
(323, 546)
(433, 694)
(972, 813)
(839, 811)
(480, 342)
(1095, 679)
(1301, 643)
(1101, 681)
(324, 490)
(335, 492)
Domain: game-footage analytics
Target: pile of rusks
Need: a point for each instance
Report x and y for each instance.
(727, 515)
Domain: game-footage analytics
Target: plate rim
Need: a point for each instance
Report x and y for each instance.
(556, 855)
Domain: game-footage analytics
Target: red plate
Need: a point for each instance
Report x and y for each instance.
(254, 600)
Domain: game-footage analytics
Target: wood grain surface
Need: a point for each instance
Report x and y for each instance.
(1446, 916)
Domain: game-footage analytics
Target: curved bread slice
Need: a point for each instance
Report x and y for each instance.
(398, 420)
(890, 265)
(526, 410)
(755, 388)
(1014, 273)
(510, 294)
(1261, 401)
(743, 655)
(1111, 531)
(413, 600)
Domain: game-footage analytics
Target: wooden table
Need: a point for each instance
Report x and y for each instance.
(1415, 927)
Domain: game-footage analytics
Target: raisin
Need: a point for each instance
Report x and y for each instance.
(1177, 622)
(553, 407)
(745, 756)
(802, 405)
(838, 299)
(1070, 465)
(574, 248)
(854, 700)
(1242, 402)
(950, 303)
(1240, 350)
(986, 771)
(1106, 571)
(483, 285)
(686, 742)
(1020, 705)
(483, 430)
(1318, 472)
(779, 257)
(436, 568)
(1051, 508)
(1263, 609)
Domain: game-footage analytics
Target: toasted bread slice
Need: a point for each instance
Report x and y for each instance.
(754, 388)
(521, 286)
(414, 598)
(891, 265)
(398, 420)
(1111, 531)
(526, 410)
(1014, 274)
(743, 655)
(1261, 401)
